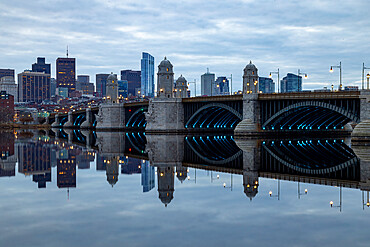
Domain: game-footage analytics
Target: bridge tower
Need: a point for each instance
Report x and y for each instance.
(112, 89)
(251, 114)
(250, 79)
(165, 113)
(165, 79)
(181, 89)
(111, 113)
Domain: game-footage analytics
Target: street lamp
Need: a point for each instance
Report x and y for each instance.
(363, 75)
(367, 79)
(278, 194)
(300, 73)
(367, 203)
(340, 73)
(212, 178)
(299, 191)
(195, 86)
(231, 183)
(195, 176)
(278, 76)
(340, 200)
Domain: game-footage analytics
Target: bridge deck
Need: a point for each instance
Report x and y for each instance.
(310, 95)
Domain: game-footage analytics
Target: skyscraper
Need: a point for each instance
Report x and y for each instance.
(7, 83)
(147, 75)
(66, 73)
(147, 176)
(208, 84)
(83, 85)
(101, 82)
(133, 79)
(41, 66)
(222, 86)
(33, 86)
(291, 83)
(7, 72)
(267, 85)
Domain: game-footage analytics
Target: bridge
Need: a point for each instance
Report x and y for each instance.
(266, 113)
(249, 113)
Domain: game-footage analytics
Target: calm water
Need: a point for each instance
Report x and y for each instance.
(132, 189)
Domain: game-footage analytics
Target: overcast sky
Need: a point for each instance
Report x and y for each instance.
(109, 35)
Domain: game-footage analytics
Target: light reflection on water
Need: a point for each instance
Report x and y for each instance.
(140, 190)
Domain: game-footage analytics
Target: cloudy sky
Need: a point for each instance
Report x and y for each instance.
(109, 35)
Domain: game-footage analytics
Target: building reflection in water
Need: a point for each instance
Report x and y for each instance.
(8, 156)
(329, 162)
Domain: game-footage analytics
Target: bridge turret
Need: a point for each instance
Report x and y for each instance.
(181, 89)
(250, 79)
(165, 79)
(112, 89)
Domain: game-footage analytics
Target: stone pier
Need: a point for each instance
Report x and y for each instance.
(361, 132)
(110, 117)
(88, 123)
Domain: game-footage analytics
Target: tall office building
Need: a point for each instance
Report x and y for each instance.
(267, 85)
(222, 86)
(83, 78)
(6, 107)
(33, 86)
(291, 83)
(147, 176)
(83, 84)
(133, 79)
(122, 88)
(53, 86)
(147, 75)
(66, 73)
(41, 66)
(208, 84)
(101, 83)
(7, 83)
(7, 72)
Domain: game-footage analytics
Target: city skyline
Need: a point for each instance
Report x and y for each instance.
(307, 39)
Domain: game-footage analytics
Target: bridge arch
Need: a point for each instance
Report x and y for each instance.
(310, 115)
(213, 116)
(137, 119)
(313, 157)
(79, 120)
(214, 150)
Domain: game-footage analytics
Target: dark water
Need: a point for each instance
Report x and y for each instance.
(132, 189)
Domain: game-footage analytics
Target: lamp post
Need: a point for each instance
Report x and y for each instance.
(231, 83)
(231, 183)
(278, 76)
(195, 176)
(212, 178)
(367, 79)
(301, 73)
(299, 191)
(363, 75)
(367, 203)
(340, 200)
(340, 74)
(195, 86)
(278, 194)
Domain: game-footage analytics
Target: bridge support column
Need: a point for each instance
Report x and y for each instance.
(110, 117)
(110, 143)
(88, 138)
(165, 150)
(69, 124)
(361, 133)
(363, 152)
(70, 135)
(87, 124)
(251, 116)
(251, 165)
(56, 123)
(165, 115)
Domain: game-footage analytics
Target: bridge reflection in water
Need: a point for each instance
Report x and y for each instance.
(318, 161)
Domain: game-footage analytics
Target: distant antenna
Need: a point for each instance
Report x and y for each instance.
(207, 70)
(67, 51)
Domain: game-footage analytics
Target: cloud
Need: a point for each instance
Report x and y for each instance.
(224, 36)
